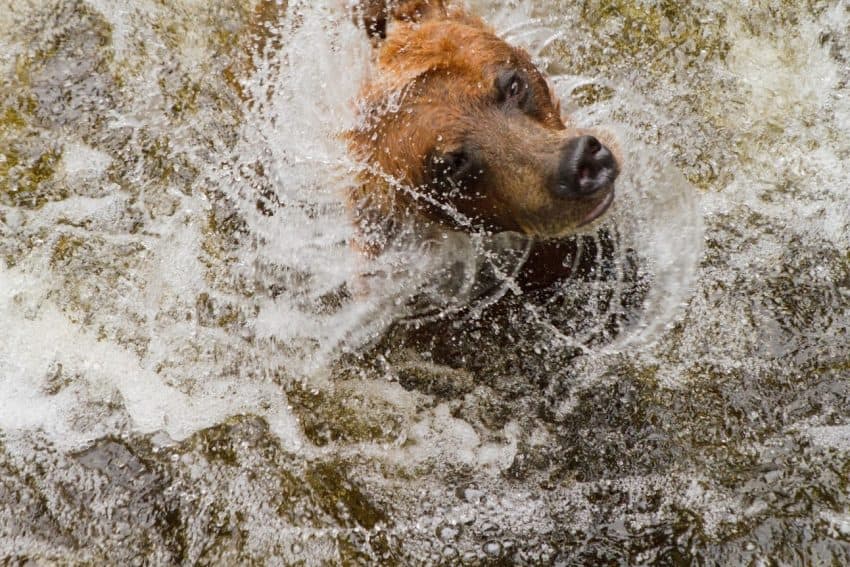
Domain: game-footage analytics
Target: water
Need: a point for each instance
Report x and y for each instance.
(190, 373)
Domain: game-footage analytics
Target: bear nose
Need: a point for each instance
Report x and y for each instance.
(586, 167)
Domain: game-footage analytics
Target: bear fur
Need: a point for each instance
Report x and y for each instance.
(460, 131)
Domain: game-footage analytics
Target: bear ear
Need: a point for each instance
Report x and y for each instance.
(375, 15)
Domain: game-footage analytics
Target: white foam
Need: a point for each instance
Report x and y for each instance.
(79, 160)
(36, 346)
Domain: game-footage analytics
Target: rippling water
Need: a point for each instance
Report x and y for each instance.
(189, 373)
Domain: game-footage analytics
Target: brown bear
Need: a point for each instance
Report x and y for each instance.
(460, 131)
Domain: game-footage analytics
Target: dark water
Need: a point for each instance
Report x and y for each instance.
(183, 378)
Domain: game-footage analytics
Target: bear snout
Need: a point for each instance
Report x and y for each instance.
(586, 168)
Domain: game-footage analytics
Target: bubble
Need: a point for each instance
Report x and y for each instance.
(448, 533)
(450, 552)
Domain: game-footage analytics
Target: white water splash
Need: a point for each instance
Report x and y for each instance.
(183, 375)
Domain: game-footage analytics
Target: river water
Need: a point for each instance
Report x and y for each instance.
(189, 374)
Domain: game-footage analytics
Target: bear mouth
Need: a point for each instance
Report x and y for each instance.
(599, 209)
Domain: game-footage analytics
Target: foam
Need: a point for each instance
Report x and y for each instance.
(36, 346)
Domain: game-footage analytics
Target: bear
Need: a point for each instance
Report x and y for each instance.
(460, 131)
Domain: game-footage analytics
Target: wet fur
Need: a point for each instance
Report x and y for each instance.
(431, 90)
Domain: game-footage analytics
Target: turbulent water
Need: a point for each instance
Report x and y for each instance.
(192, 371)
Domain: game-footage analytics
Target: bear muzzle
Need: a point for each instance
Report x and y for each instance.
(587, 169)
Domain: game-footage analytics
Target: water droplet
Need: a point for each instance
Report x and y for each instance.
(448, 533)
(493, 548)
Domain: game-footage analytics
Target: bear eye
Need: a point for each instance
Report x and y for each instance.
(453, 167)
(516, 87)
(456, 162)
(513, 88)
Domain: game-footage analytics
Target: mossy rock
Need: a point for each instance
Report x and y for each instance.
(28, 181)
(343, 416)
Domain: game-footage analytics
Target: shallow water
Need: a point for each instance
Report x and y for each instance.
(184, 375)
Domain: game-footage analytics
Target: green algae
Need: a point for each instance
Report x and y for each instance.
(11, 120)
(28, 160)
(343, 416)
(66, 247)
(212, 313)
(590, 94)
(26, 182)
(186, 98)
(85, 25)
(164, 163)
(341, 499)
(651, 31)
